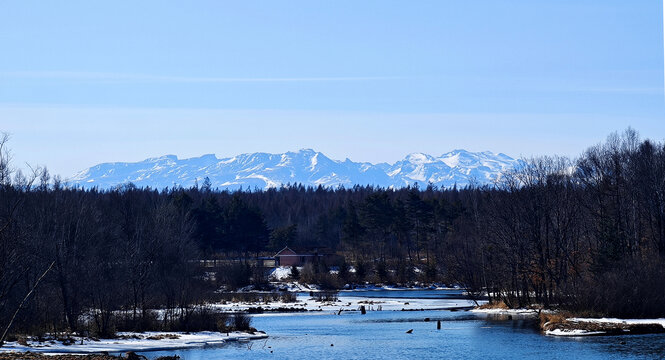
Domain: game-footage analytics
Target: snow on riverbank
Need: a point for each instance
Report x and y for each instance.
(372, 287)
(607, 326)
(573, 332)
(499, 311)
(604, 326)
(351, 303)
(660, 322)
(148, 341)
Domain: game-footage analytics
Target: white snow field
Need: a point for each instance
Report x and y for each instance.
(148, 341)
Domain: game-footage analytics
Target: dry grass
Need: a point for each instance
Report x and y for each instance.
(163, 336)
(559, 320)
(494, 305)
(551, 321)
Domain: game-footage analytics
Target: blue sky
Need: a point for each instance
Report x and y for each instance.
(85, 82)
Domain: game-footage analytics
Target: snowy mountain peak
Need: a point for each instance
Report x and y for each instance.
(419, 158)
(306, 166)
(208, 157)
(307, 151)
(162, 158)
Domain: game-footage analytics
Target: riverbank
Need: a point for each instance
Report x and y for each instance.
(138, 342)
(383, 335)
(571, 326)
(316, 303)
(38, 356)
(305, 302)
(559, 323)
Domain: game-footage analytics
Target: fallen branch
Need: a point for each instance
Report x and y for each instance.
(25, 299)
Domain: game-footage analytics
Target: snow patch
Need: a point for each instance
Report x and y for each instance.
(506, 311)
(574, 332)
(352, 303)
(451, 161)
(136, 342)
(395, 172)
(314, 161)
(280, 273)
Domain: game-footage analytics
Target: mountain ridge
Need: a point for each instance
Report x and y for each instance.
(306, 166)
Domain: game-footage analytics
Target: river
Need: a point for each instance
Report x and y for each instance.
(382, 335)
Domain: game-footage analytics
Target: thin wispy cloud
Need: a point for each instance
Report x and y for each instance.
(619, 90)
(124, 77)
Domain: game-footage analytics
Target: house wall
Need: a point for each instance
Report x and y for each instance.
(289, 260)
(268, 262)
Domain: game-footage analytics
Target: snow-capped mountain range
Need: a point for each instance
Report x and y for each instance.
(307, 167)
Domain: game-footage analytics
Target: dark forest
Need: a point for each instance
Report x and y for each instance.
(585, 234)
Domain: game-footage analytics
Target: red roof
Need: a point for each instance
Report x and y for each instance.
(285, 251)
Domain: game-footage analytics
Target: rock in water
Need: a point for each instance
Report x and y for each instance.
(133, 356)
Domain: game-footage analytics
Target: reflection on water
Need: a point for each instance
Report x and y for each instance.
(437, 316)
(382, 335)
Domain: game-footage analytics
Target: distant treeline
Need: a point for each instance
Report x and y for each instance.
(585, 234)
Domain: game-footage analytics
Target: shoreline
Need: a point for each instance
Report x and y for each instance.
(552, 323)
(136, 342)
(40, 356)
(165, 341)
(555, 323)
(603, 327)
(306, 303)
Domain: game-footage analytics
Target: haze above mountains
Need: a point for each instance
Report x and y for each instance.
(306, 167)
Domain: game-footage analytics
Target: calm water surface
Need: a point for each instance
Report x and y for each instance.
(382, 335)
(400, 294)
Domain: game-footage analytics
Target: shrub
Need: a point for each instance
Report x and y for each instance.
(241, 322)
(328, 281)
(200, 319)
(142, 321)
(326, 296)
(288, 297)
(223, 322)
(632, 289)
(344, 274)
(405, 273)
(257, 297)
(235, 276)
(381, 271)
(307, 274)
(295, 273)
(431, 272)
(260, 278)
(361, 271)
